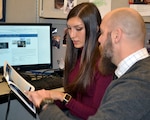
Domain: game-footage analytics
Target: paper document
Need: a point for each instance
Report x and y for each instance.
(143, 9)
(18, 85)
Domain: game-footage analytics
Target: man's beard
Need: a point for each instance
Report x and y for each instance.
(106, 66)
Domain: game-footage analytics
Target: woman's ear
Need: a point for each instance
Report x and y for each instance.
(98, 32)
(98, 29)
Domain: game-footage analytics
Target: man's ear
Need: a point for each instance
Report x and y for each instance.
(116, 35)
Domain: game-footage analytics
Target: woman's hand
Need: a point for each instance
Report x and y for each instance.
(37, 96)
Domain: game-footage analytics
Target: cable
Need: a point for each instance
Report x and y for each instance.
(8, 105)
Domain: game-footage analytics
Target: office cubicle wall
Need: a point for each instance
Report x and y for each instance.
(28, 11)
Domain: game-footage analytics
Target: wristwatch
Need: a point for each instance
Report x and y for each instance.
(66, 98)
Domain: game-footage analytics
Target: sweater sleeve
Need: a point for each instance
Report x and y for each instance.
(90, 102)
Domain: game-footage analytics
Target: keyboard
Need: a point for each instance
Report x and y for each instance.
(42, 71)
(48, 83)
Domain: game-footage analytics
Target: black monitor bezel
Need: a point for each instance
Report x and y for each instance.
(23, 68)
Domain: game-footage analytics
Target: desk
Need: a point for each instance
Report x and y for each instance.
(4, 89)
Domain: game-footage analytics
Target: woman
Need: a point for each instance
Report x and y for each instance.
(83, 83)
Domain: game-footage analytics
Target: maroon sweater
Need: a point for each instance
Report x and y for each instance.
(90, 102)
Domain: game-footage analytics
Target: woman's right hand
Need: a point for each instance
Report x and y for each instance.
(38, 96)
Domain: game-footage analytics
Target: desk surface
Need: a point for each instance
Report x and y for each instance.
(4, 89)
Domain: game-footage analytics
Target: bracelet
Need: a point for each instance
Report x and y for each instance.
(48, 101)
(45, 103)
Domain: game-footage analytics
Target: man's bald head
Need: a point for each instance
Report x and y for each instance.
(129, 20)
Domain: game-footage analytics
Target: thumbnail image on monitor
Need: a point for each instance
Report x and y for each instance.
(26, 46)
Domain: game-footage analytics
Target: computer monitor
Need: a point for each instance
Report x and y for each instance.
(26, 46)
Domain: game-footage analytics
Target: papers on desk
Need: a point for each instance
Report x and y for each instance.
(143, 9)
(18, 85)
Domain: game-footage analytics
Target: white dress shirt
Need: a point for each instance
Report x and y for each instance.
(125, 64)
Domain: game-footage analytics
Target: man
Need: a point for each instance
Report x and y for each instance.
(122, 43)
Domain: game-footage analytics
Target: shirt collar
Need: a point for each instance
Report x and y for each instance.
(125, 64)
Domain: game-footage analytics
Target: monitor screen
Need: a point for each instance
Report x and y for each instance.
(26, 46)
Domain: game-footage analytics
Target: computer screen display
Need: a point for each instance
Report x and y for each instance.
(26, 46)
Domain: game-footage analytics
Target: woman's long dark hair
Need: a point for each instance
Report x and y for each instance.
(91, 18)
